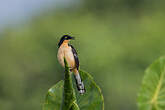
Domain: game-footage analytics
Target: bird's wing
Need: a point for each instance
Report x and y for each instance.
(75, 56)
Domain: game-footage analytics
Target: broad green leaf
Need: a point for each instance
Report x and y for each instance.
(54, 97)
(152, 93)
(91, 100)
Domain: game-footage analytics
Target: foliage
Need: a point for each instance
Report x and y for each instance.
(152, 94)
(115, 48)
(63, 96)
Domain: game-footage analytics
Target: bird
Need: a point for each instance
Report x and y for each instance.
(67, 51)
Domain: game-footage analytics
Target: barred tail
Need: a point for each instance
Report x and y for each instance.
(79, 83)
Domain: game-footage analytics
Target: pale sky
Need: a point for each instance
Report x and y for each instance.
(13, 11)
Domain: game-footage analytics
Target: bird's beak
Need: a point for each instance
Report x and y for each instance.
(72, 38)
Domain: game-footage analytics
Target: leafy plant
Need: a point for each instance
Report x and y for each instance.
(64, 95)
(152, 93)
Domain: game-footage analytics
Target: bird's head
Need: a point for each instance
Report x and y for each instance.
(65, 39)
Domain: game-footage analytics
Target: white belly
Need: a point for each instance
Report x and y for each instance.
(66, 53)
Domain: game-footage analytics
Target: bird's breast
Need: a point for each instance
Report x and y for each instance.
(69, 57)
(66, 52)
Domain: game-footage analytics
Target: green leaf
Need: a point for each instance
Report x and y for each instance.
(91, 100)
(54, 97)
(152, 93)
(69, 98)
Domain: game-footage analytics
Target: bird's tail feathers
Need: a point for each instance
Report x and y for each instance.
(79, 83)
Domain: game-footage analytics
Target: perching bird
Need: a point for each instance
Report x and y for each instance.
(68, 52)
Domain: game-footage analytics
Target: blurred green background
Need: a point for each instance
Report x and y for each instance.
(115, 39)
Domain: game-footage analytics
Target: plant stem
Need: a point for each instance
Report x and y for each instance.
(69, 97)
